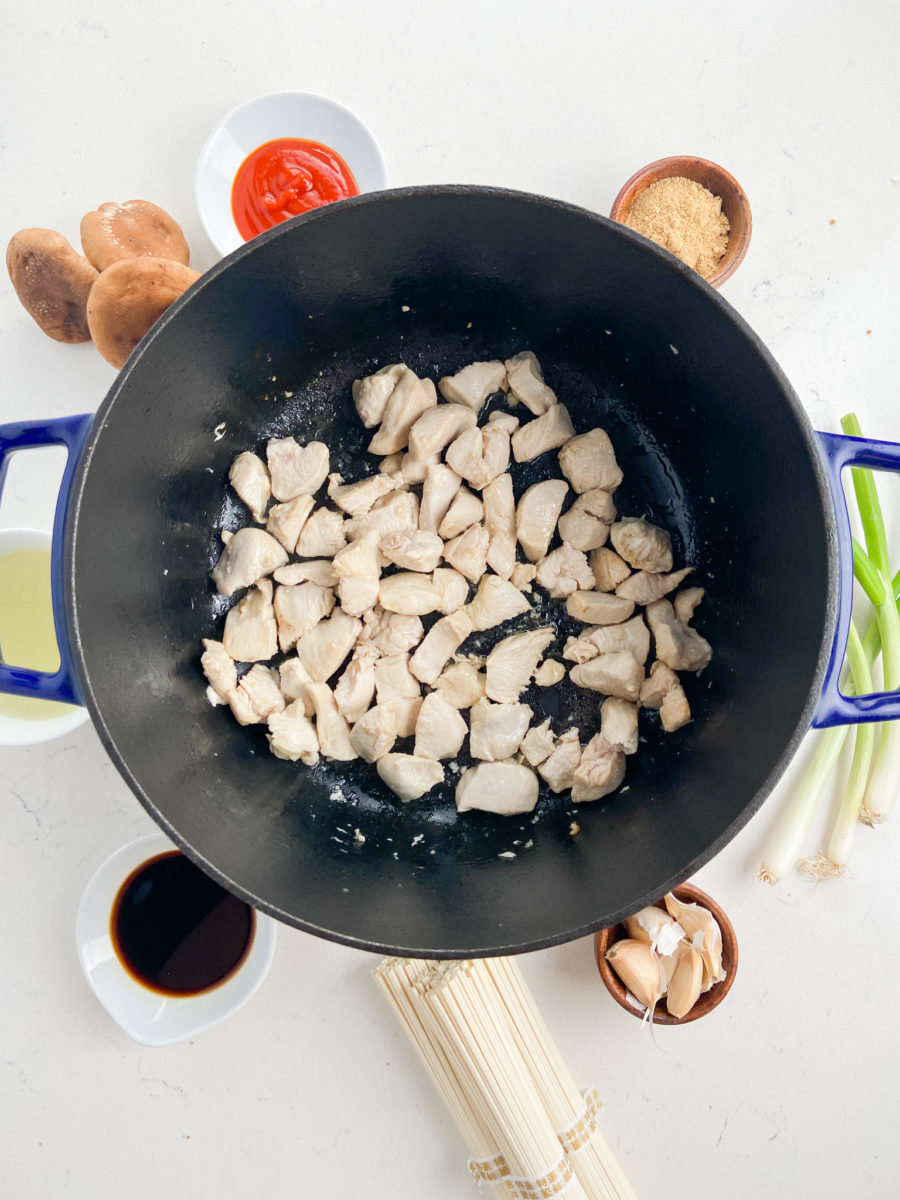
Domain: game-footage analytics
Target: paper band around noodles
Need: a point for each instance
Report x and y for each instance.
(489, 1170)
(553, 1183)
(578, 1135)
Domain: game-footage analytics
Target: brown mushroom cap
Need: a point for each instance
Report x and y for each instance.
(127, 299)
(131, 230)
(53, 282)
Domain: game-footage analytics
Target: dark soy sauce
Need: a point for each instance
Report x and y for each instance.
(177, 931)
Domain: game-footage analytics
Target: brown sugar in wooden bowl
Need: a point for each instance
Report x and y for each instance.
(718, 181)
(687, 893)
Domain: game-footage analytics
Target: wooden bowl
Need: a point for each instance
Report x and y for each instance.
(687, 894)
(734, 203)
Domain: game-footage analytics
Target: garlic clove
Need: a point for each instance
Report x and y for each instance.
(687, 982)
(694, 920)
(639, 969)
(656, 927)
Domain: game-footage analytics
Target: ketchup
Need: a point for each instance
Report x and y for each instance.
(284, 178)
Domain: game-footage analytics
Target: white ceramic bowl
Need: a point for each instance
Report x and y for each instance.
(15, 731)
(279, 115)
(151, 1017)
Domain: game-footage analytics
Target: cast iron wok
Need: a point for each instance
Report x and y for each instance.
(714, 446)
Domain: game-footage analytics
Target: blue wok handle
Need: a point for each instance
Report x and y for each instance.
(71, 432)
(834, 708)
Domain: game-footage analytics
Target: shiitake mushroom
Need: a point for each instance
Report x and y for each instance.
(128, 297)
(135, 229)
(52, 281)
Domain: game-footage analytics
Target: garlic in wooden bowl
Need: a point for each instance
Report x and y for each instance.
(671, 962)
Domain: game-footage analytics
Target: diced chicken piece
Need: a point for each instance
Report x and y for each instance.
(633, 636)
(440, 643)
(438, 427)
(441, 485)
(496, 730)
(359, 574)
(375, 733)
(391, 514)
(473, 384)
(322, 535)
(512, 662)
(523, 576)
(564, 571)
(394, 633)
(355, 689)
(616, 674)
(677, 645)
(586, 524)
(440, 730)
(410, 593)
(296, 470)
(674, 712)
(259, 688)
(598, 608)
(504, 420)
(643, 587)
(407, 402)
(480, 455)
(460, 685)
(600, 771)
(292, 735)
(583, 648)
(406, 713)
(251, 634)
(549, 673)
(558, 771)
(685, 603)
(505, 788)
(249, 477)
(394, 680)
(589, 461)
(292, 675)
(552, 429)
(536, 515)
(332, 729)
(413, 549)
(468, 552)
(415, 470)
(409, 777)
(218, 667)
(538, 744)
(371, 394)
(658, 684)
(452, 589)
(526, 383)
(619, 724)
(465, 510)
(324, 648)
(285, 521)
(357, 498)
(500, 522)
(299, 608)
(318, 570)
(646, 547)
(609, 570)
(250, 555)
(496, 601)
(391, 464)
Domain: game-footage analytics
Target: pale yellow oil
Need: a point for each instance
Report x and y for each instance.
(27, 633)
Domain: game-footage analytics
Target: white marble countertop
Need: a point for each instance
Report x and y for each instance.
(311, 1090)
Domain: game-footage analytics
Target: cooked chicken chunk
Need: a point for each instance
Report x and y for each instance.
(619, 724)
(437, 428)
(500, 522)
(598, 608)
(643, 587)
(250, 555)
(657, 685)
(558, 770)
(371, 394)
(355, 499)
(538, 744)
(564, 571)
(600, 771)
(536, 515)
(359, 574)
(332, 730)
(440, 643)
(586, 524)
(218, 667)
(292, 735)
(473, 384)
(504, 788)
(441, 485)
(407, 402)
(355, 689)
(440, 730)
(512, 662)
(406, 713)
(526, 383)
(415, 470)
(294, 469)
(616, 674)
(677, 645)
(394, 680)
(496, 730)
(410, 593)
(646, 547)
(609, 570)
(318, 570)
(292, 675)
(250, 479)
(286, 521)
(468, 552)
(260, 691)
(413, 549)
(460, 685)
(633, 636)
(523, 576)
(496, 601)
(674, 712)
(549, 673)
(465, 510)
(452, 589)
(480, 455)
(393, 633)
(298, 609)
(375, 733)
(325, 647)
(544, 433)
(503, 420)
(409, 777)
(589, 461)
(322, 535)
(251, 634)
(685, 603)
(391, 514)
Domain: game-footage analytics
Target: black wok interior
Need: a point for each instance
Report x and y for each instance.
(713, 445)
